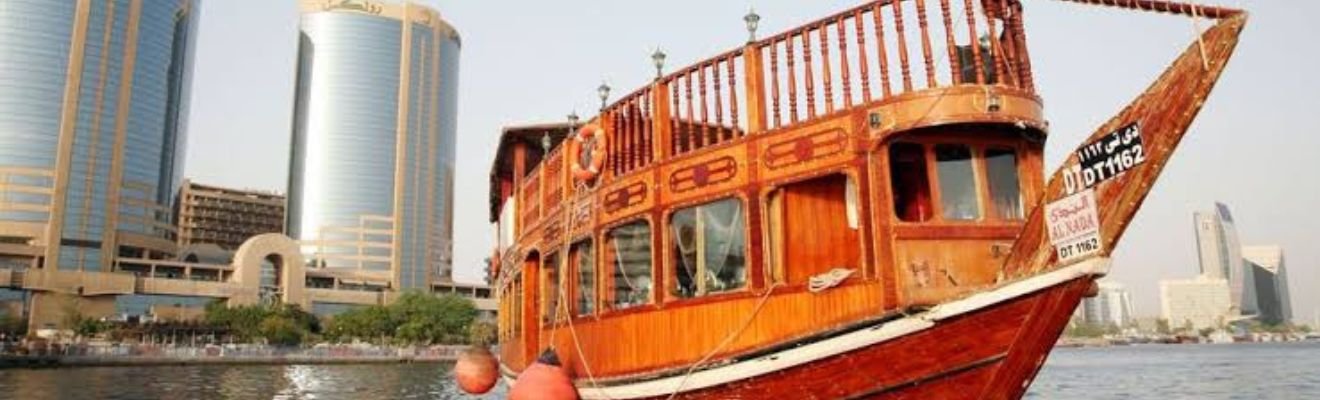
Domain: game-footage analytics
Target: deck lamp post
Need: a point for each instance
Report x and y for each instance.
(752, 19)
(658, 57)
(604, 91)
(572, 123)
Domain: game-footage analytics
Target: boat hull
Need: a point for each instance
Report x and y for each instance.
(981, 348)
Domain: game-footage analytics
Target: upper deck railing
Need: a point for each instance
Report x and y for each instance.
(854, 58)
(869, 53)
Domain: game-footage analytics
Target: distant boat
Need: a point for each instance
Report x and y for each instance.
(828, 213)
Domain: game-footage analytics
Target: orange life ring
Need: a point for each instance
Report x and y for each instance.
(594, 136)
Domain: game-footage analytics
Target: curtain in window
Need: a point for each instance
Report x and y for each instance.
(709, 246)
(631, 246)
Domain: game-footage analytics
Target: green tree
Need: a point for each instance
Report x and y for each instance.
(281, 331)
(415, 317)
(1162, 326)
(277, 323)
(482, 333)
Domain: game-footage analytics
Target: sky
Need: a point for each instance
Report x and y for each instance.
(1252, 147)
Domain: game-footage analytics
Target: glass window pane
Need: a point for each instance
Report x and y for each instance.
(953, 165)
(709, 246)
(1002, 175)
(584, 255)
(630, 258)
(907, 174)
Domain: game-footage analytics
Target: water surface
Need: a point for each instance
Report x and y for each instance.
(1230, 372)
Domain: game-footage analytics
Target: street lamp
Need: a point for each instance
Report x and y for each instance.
(658, 57)
(752, 19)
(604, 91)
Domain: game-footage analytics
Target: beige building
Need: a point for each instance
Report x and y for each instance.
(226, 217)
(1200, 302)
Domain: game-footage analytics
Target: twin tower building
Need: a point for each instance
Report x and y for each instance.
(94, 100)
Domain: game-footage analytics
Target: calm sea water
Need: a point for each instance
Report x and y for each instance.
(1244, 371)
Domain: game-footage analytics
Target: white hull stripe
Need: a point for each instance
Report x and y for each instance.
(843, 343)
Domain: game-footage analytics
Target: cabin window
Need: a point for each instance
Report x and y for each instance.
(957, 180)
(708, 243)
(583, 258)
(814, 228)
(1002, 176)
(908, 178)
(550, 288)
(630, 261)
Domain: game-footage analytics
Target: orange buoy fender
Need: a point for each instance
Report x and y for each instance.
(591, 139)
(476, 370)
(544, 380)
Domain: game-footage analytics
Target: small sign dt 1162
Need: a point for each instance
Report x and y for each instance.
(1105, 158)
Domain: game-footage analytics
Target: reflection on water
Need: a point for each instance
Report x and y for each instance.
(1243, 371)
(374, 382)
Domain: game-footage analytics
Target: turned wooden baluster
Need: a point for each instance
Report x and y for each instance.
(705, 122)
(616, 144)
(648, 133)
(626, 127)
(862, 60)
(733, 97)
(690, 129)
(774, 81)
(1024, 57)
(1011, 56)
(789, 51)
(925, 43)
(880, 44)
(902, 46)
(996, 57)
(810, 76)
(674, 143)
(826, 79)
(975, 43)
(635, 124)
(719, 102)
(842, 38)
(955, 67)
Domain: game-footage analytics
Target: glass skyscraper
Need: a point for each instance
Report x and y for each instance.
(372, 164)
(93, 102)
(1220, 255)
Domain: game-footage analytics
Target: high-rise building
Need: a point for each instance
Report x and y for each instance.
(226, 217)
(1220, 255)
(1271, 278)
(1201, 302)
(372, 164)
(1112, 305)
(93, 98)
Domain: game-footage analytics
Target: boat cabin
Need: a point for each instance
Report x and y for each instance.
(874, 162)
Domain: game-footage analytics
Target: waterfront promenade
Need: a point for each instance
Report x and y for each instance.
(142, 355)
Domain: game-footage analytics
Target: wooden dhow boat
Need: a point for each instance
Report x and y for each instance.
(854, 208)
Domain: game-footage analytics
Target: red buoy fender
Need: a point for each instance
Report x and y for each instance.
(590, 135)
(544, 380)
(476, 370)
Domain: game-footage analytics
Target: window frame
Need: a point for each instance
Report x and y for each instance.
(671, 262)
(989, 199)
(548, 317)
(575, 271)
(980, 169)
(605, 302)
(978, 181)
